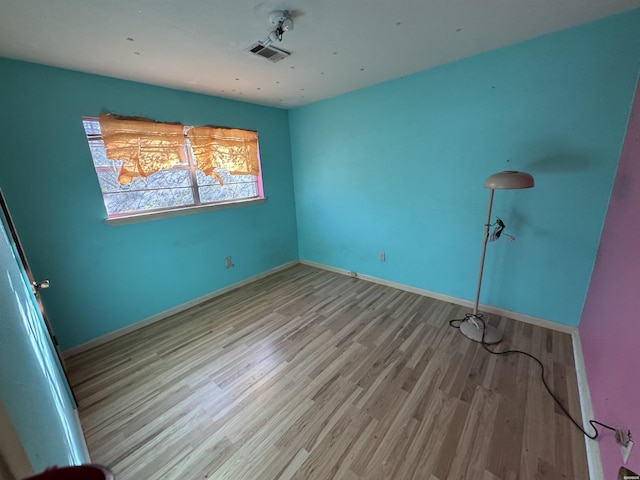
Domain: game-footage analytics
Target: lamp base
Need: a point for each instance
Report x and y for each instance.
(472, 329)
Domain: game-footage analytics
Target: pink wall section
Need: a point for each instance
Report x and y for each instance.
(610, 325)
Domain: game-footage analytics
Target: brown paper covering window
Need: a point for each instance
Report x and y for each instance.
(231, 149)
(144, 146)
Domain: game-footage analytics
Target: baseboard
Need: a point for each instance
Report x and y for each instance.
(594, 459)
(438, 296)
(447, 298)
(172, 311)
(592, 447)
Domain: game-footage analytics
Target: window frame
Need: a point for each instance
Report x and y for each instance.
(166, 212)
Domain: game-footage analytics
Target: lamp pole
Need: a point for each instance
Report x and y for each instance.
(473, 326)
(484, 252)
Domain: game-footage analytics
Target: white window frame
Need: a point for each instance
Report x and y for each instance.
(166, 212)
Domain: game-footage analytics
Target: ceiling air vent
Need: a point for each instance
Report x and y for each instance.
(269, 52)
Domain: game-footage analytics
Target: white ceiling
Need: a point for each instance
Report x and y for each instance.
(337, 45)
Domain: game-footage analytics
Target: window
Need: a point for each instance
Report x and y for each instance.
(146, 167)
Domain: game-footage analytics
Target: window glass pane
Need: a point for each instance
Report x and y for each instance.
(243, 179)
(226, 178)
(99, 155)
(226, 192)
(165, 189)
(108, 179)
(147, 200)
(164, 179)
(92, 127)
(205, 179)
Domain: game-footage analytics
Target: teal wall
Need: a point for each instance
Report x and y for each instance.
(399, 167)
(105, 277)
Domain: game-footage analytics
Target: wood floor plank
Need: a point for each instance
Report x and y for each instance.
(308, 374)
(472, 450)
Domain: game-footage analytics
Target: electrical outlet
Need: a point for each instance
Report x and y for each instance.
(623, 437)
(625, 440)
(228, 262)
(382, 256)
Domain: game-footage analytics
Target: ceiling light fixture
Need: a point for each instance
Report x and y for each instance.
(283, 23)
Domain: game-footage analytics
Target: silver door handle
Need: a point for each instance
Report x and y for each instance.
(41, 285)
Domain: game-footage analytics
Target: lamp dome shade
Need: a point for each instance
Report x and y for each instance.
(509, 180)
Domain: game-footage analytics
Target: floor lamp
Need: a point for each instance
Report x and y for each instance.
(473, 326)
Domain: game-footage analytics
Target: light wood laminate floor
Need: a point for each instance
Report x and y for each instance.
(308, 374)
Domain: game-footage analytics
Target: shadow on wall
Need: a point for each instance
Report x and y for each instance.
(561, 162)
(519, 222)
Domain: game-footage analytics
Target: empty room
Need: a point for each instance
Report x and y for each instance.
(319, 240)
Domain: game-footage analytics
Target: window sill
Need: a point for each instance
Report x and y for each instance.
(177, 212)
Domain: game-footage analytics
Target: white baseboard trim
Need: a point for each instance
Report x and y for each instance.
(438, 296)
(560, 327)
(594, 460)
(172, 311)
(592, 447)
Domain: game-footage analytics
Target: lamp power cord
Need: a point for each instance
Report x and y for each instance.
(593, 423)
